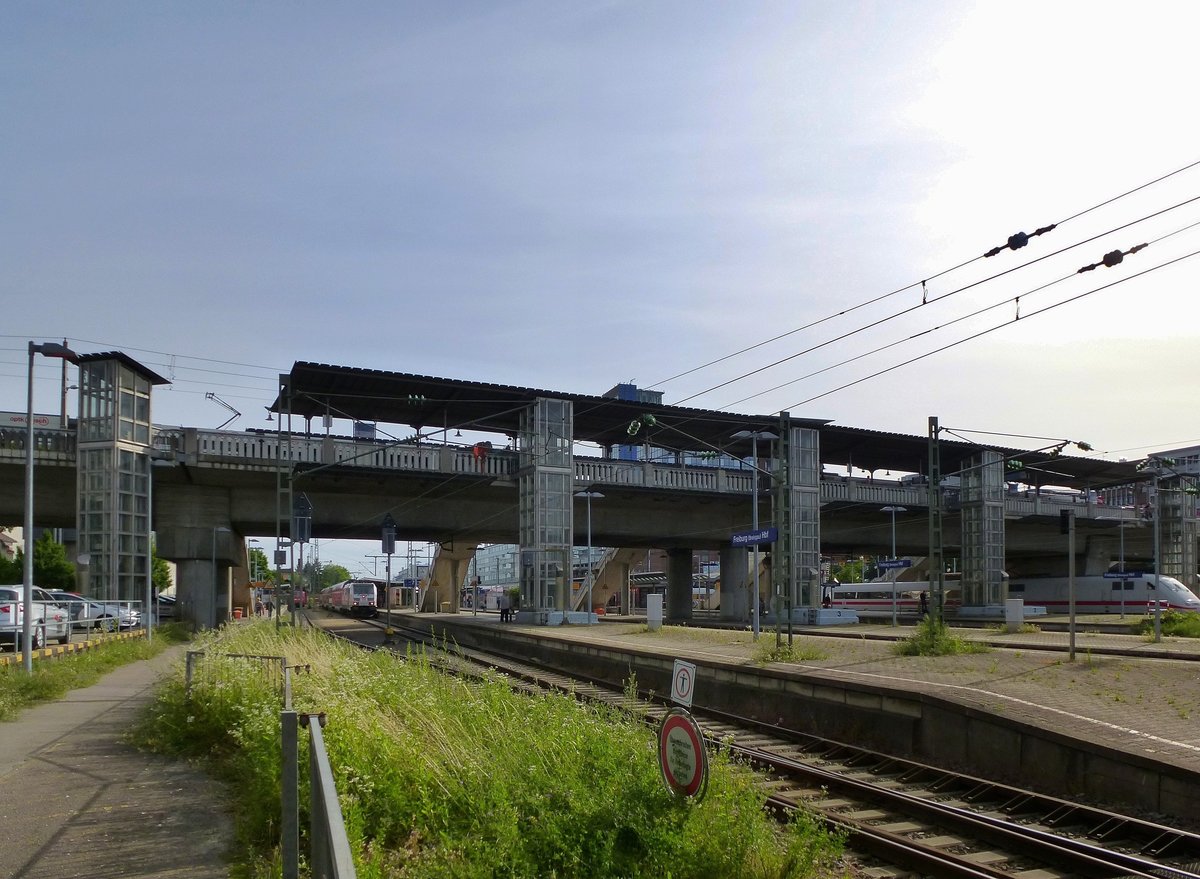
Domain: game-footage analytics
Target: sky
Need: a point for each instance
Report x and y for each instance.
(572, 195)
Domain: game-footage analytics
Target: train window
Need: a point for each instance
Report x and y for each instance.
(1016, 587)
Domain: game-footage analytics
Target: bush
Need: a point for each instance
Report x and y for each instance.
(933, 638)
(441, 777)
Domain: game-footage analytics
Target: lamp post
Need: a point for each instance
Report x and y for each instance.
(216, 579)
(389, 547)
(588, 495)
(754, 436)
(894, 511)
(47, 349)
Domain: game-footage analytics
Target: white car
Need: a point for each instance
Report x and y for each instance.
(50, 620)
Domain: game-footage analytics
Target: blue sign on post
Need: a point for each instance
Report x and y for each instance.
(889, 564)
(1128, 575)
(748, 538)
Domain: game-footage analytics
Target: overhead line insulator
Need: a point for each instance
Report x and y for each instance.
(1019, 239)
(1113, 258)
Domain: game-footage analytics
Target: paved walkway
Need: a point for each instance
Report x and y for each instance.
(77, 801)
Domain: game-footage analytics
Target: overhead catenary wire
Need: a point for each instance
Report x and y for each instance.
(1008, 300)
(914, 284)
(992, 329)
(926, 300)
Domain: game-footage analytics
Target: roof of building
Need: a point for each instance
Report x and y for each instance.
(149, 374)
(433, 404)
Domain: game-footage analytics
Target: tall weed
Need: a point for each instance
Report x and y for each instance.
(441, 777)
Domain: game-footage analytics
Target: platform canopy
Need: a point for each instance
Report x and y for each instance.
(433, 405)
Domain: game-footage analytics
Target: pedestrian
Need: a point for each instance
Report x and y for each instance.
(924, 603)
(504, 607)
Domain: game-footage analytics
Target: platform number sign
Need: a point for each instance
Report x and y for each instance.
(683, 683)
(682, 756)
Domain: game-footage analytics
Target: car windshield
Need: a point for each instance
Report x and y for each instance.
(9, 595)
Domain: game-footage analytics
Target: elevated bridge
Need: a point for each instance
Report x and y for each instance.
(208, 486)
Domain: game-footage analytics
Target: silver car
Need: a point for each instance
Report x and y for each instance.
(88, 613)
(50, 620)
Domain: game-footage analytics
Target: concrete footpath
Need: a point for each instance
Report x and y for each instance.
(76, 800)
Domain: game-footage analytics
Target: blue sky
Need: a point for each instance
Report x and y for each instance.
(568, 195)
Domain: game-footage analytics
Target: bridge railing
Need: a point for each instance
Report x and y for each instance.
(50, 444)
(264, 450)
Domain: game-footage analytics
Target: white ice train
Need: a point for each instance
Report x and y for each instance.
(1093, 594)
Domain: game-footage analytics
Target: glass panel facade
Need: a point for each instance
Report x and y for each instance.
(546, 486)
(114, 478)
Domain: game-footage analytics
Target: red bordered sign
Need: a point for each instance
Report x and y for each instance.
(682, 756)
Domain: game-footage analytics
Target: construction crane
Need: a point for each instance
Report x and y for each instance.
(211, 396)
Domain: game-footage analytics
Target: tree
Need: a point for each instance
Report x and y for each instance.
(12, 570)
(51, 570)
(260, 568)
(160, 571)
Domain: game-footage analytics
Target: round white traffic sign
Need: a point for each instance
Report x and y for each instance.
(682, 756)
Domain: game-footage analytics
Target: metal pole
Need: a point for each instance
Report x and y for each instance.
(591, 572)
(895, 620)
(387, 600)
(1157, 565)
(754, 527)
(27, 592)
(1071, 586)
(1122, 581)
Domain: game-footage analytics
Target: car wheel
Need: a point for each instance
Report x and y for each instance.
(39, 638)
(107, 624)
(66, 635)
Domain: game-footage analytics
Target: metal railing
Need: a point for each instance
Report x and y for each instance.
(329, 846)
(263, 451)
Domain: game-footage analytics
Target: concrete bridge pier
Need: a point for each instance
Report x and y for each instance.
(736, 583)
(204, 560)
(679, 586)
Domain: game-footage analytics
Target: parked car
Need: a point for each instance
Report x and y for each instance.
(50, 620)
(88, 613)
(164, 607)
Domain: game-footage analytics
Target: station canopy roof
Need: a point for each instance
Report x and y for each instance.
(431, 405)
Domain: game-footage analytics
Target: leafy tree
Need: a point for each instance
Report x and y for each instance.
(51, 570)
(12, 571)
(331, 574)
(260, 568)
(160, 571)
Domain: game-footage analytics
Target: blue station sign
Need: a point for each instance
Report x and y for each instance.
(1128, 575)
(749, 538)
(889, 564)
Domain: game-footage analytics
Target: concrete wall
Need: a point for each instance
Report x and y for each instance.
(917, 726)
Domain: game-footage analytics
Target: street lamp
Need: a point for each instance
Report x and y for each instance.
(46, 349)
(754, 436)
(216, 580)
(894, 511)
(588, 495)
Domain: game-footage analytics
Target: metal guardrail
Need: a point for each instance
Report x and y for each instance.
(329, 846)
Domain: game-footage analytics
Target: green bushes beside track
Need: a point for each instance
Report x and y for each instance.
(442, 777)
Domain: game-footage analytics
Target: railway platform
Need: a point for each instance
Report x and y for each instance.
(1119, 722)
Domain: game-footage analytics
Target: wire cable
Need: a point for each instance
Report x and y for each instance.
(910, 286)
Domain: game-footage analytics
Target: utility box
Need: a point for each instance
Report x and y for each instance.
(1014, 614)
(654, 612)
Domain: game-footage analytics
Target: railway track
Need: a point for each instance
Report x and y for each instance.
(901, 818)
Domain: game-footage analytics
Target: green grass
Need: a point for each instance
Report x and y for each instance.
(440, 777)
(933, 638)
(766, 651)
(52, 678)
